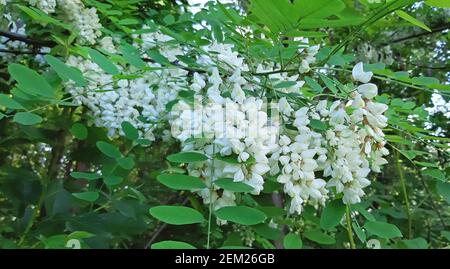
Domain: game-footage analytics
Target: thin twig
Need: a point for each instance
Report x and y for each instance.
(18, 52)
(433, 31)
(25, 39)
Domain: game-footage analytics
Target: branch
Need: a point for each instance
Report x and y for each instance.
(18, 52)
(435, 30)
(25, 39)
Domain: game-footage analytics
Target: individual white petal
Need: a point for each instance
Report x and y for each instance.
(358, 73)
(368, 90)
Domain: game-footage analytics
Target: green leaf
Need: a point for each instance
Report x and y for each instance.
(283, 15)
(128, 21)
(241, 214)
(412, 20)
(360, 208)
(329, 83)
(229, 185)
(176, 215)
(319, 8)
(157, 57)
(312, 23)
(416, 243)
(144, 142)
(27, 118)
(319, 237)
(424, 81)
(434, 173)
(9, 102)
(332, 214)
(314, 85)
(39, 16)
(84, 175)
(318, 125)
(66, 72)
(172, 245)
(228, 159)
(272, 211)
(80, 235)
(103, 62)
(112, 180)
(296, 33)
(181, 182)
(130, 131)
(218, 33)
(79, 131)
(187, 157)
(30, 81)
(443, 188)
(108, 149)
(359, 232)
(438, 3)
(292, 241)
(90, 196)
(426, 164)
(382, 229)
(132, 55)
(446, 235)
(285, 84)
(126, 162)
(266, 231)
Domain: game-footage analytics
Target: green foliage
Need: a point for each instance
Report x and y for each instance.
(8, 102)
(332, 214)
(129, 130)
(90, 196)
(176, 215)
(103, 62)
(171, 245)
(30, 81)
(63, 177)
(79, 131)
(241, 214)
(229, 185)
(27, 118)
(109, 149)
(181, 182)
(383, 229)
(187, 157)
(319, 237)
(292, 241)
(66, 72)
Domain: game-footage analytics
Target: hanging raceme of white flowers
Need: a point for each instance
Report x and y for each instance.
(229, 120)
(309, 164)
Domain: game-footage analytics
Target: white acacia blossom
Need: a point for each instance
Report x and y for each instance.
(220, 112)
(85, 20)
(345, 153)
(112, 103)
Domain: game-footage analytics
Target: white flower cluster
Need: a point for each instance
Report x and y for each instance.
(160, 41)
(219, 115)
(300, 154)
(47, 6)
(112, 103)
(351, 147)
(85, 20)
(237, 128)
